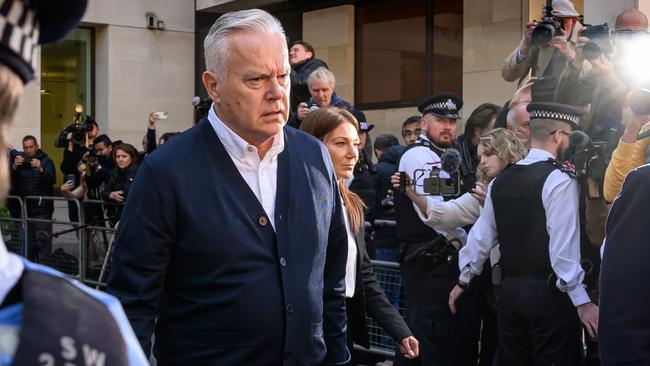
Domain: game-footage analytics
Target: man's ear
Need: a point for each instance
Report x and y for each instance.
(210, 84)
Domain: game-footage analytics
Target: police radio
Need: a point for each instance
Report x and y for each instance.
(442, 180)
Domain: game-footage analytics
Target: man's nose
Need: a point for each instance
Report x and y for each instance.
(275, 89)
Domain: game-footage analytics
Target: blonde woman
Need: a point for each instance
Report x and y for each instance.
(497, 150)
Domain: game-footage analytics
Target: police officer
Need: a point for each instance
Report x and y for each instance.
(427, 257)
(46, 319)
(532, 208)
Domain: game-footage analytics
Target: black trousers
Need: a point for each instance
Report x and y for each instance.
(537, 325)
(445, 339)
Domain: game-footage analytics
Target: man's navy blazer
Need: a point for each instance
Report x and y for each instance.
(196, 249)
(624, 324)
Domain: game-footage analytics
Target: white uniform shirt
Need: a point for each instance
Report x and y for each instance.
(260, 175)
(560, 201)
(424, 158)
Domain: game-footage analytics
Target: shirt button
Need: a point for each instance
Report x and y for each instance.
(289, 308)
(283, 262)
(263, 221)
(250, 149)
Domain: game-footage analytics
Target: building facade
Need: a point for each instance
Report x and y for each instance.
(129, 58)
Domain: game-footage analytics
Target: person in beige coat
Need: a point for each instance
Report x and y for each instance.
(519, 63)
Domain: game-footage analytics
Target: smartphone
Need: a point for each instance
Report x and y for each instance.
(70, 178)
(162, 115)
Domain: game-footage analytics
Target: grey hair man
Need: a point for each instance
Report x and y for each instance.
(321, 83)
(518, 120)
(239, 257)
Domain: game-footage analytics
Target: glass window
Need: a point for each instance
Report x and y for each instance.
(66, 79)
(407, 50)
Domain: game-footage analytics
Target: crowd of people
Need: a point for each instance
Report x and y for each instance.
(519, 241)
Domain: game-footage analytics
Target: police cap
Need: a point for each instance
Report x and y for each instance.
(24, 24)
(555, 111)
(443, 105)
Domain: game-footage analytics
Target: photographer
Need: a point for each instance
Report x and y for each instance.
(121, 178)
(75, 139)
(303, 63)
(321, 83)
(542, 56)
(33, 174)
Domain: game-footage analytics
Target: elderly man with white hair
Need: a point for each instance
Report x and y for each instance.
(234, 251)
(321, 83)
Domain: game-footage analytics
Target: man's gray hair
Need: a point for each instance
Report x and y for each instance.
(321, 73)
(215, 45)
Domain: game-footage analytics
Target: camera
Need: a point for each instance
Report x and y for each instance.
(79, 127)
(547, 28)
(599, 41)
(432, 183)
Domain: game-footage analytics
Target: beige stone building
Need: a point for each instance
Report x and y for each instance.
(129, 58)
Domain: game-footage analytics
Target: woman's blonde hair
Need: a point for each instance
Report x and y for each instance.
(319, 123)
(505, 145)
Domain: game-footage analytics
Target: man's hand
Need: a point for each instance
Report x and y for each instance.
(527, 40)
(18, 161)
(117, 196)
(153, 118)
(303, 111)
(632, 122)
(479, 192)
(454, 295)
(410, 347)
(36, 164)
(562, 44)
(588, 314)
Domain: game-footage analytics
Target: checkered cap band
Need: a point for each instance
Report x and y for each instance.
(448, 105)
(19, 29)
(572, 118)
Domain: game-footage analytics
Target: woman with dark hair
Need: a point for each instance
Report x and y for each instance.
(339, 131)
(125, 157)
(480, 122)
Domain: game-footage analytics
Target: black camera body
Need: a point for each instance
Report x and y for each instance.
(545, 31)
(79, 131)
(599, 41)
(592, 159)
(433, 184)
(438, 186)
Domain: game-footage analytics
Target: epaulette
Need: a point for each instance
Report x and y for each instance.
(565, 167)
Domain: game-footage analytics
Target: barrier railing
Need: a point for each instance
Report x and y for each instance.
(82, 247)
(12, 225)
(54, 242)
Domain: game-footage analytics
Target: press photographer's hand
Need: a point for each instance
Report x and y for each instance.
(561, 43)
(527, 40)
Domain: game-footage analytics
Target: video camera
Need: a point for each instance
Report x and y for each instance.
(599, 41)
(547, 28)
(434, 181)
(80, 126)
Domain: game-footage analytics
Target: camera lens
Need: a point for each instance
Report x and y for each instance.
(542, 34)
(591, 50)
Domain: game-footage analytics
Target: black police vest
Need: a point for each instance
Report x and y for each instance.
(410, 227)
(521, 220)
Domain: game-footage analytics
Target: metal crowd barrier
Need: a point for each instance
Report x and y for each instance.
(78, 247)
(389, 278)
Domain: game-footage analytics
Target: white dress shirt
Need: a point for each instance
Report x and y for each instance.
(560, 201)
(424, 158)
(260, 175)
(351, 262)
